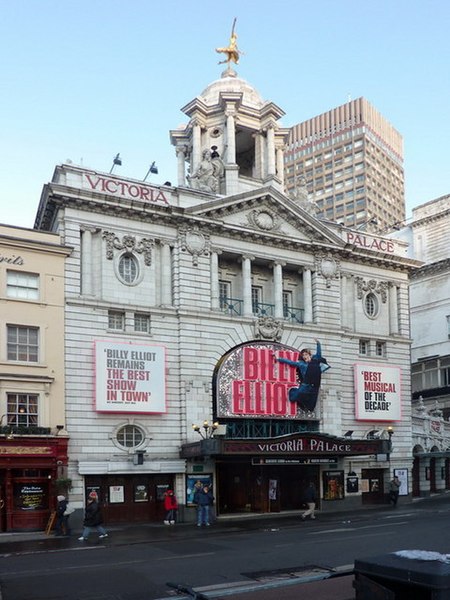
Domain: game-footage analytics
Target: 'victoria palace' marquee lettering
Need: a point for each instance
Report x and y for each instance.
(126, 189)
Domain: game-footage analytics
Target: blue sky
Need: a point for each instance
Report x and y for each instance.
(86, 79)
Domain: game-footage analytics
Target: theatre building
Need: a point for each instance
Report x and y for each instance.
(33, 440)
(181, 298)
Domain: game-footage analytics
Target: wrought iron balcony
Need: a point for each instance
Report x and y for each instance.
(294, 314)
(231, 306)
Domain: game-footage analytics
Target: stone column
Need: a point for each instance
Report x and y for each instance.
(393, 308)
(230, 157)
(166, 274)
(247, 285)
(215, 300)
(278, 288)
(307, 296)
(196, 145)
(280, 165)
(181, 158)
(271, 151)
(87, 282)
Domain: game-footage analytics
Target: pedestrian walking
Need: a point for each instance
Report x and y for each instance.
(171, 506)
(204, 499)
(62, 516)
(310, 499)
(394, 490)
(93, 518)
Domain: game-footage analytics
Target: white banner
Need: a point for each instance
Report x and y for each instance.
(377, 393)
(130, 378)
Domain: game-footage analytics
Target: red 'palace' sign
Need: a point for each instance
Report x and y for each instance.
(251, 383)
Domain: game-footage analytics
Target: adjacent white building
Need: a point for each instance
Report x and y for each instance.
(429, 242)
(179, 299)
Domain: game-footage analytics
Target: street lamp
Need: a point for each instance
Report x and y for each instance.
(390, 432)
(207, 430)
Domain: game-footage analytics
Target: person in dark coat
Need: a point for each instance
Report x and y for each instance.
(309, 369)
(204, 499)
(310, 499)
(93, 518)
(62, 520)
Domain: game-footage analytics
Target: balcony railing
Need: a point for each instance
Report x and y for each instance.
(263, 310)
(293, 314)
(231, 306)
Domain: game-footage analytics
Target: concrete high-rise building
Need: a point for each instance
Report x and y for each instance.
(350, 161)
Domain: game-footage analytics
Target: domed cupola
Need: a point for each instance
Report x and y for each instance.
(233, 142)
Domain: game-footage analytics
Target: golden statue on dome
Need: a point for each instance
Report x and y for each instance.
(232, 51)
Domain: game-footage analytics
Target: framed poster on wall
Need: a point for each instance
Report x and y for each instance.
(402, 474)
(193, 482)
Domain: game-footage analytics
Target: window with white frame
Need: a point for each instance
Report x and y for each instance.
(380, 349)
(128, 268)
(116, 320)
(142, 322)
(22, 409)
(224, 293)
(130, 436)
(23, 343)
(22, 286)
(256, 298)
(448, 326)
(371, 305)
(364, 347)
(287, 302)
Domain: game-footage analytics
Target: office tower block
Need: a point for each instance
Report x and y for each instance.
(351, 161)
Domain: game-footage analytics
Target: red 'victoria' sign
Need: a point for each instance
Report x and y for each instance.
(251, 383)
(118, 187)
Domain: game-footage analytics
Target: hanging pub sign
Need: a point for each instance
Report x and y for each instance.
(251, 383)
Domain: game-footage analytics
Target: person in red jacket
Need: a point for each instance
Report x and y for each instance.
(171, 506)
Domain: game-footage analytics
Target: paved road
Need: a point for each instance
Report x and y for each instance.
(249, 559)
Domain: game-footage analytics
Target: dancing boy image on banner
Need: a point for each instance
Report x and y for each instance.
(309, 369)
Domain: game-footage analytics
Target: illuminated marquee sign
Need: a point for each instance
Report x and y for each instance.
(129, 378)
(377, 393)
(250, 383)
(127, 189)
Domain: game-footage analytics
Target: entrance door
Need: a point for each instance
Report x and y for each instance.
(131, 498)
(373, 486)
(2, 506)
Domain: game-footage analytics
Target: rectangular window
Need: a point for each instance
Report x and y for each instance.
(142, 322)
(23, 343)
(445, 371)
(116, 320)
(448, 326)
(380, 349)
(431, 374)
(224, 293)
(256, 298)
(23, 286)
(364, 347)
(22, 409)
(287, 303)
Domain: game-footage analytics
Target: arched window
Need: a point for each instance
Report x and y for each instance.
(371, 305)
(128, 268)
